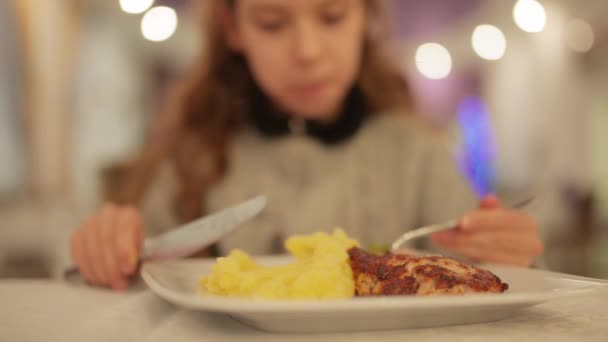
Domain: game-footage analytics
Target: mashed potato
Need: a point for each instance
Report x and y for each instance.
(321, 270)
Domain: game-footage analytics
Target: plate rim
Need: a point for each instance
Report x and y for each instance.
(220, 304)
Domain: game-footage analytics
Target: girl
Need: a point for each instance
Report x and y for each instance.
(297, 100)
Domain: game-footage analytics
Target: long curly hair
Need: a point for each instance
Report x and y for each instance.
(204, 111)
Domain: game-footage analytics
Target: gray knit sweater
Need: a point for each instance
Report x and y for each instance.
(390, 177)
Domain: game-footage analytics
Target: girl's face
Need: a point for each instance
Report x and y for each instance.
(304, 54)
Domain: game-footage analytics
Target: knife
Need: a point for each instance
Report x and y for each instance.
(188, 239)
(201, 233)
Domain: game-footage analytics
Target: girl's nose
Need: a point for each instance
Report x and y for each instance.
(307, 43)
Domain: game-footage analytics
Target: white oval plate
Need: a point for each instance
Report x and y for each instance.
(178, 283)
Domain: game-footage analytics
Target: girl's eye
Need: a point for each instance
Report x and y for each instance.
(333, 18)
(271, 25)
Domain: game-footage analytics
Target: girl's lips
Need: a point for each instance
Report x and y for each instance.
(310, 89)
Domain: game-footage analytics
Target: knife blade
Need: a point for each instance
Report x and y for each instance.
(198, 234)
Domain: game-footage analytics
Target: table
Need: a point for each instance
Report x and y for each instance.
(44, 310)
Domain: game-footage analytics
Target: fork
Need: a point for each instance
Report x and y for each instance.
(439, 227)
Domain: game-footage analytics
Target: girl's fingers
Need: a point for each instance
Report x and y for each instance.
(106, 248)
(490, 202)
(508, 248)
(498, 220)
(78, 254)
(106, 237)
(92, 255)
(500, 241)
(128, 240)
(485, 254)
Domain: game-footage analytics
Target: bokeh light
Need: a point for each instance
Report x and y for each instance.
(159, 23)
(135, 6)
(433, 61)
(530, 15)
(489, 42)
(579, 35)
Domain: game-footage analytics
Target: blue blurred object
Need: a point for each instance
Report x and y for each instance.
(477, 155)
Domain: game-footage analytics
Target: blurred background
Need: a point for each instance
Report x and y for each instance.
(522, 85)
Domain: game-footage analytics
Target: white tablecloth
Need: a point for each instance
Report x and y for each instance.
(54, 311)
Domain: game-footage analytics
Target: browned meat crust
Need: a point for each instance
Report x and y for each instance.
(399, 274)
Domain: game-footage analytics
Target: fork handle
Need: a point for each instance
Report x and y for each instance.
(414, 234)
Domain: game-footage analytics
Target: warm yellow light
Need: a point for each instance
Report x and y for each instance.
(433, 61)
(530, 15)
(135, 6)
(489, 42)
(159, 23)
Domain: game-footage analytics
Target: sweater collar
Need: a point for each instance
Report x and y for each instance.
(276, 125)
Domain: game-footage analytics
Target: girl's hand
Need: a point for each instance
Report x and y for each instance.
(107, 246)
(494, 234)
